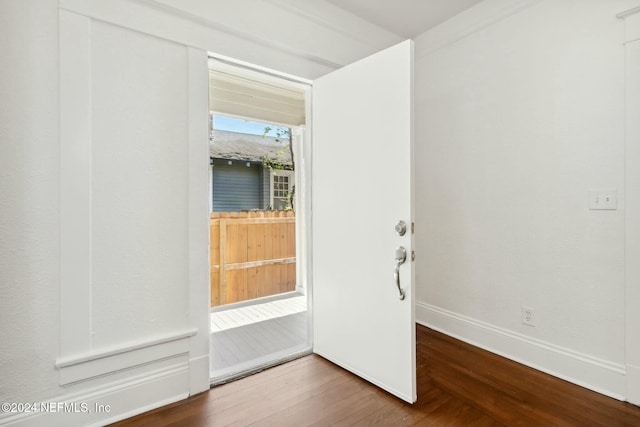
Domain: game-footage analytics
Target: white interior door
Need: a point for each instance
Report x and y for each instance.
(362, 187)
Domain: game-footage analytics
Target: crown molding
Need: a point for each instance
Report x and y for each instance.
(230, 29)
(631, 21)
(629, 12)
(329, 26)
(470, 21)
(216, 34)
(340, 22)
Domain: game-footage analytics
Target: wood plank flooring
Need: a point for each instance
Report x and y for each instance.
(458, 385)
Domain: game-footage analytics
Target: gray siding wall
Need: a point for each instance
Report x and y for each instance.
(266, 187)
(237, 187)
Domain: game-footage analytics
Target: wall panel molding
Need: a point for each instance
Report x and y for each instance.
(135, 327)
(107, 361)
(75, 183)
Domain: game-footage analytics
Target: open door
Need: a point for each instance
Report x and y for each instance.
(363, 292)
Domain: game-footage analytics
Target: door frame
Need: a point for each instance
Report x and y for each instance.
(301, 139)
(631, 22)
(301, 136)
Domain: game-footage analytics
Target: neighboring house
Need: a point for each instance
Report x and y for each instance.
(240, 179)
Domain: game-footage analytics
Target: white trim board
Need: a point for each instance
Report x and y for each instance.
(124, 348)
(96, 364)
(633, 384)
(75, 183)
(143, 16)
(582, 369)
(199, 196)
(631, 19)
(214, 27)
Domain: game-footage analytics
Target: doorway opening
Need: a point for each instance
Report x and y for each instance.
(259, 296)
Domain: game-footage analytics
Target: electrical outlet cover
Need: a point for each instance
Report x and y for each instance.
(527, 316)
(603, 199)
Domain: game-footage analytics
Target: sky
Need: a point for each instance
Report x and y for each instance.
(241, 125)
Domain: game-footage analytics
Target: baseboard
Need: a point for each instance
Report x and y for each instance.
(124, 399)
(582, 369)
(199, 374)
(633, 384)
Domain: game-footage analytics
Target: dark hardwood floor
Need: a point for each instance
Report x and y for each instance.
(458, 385)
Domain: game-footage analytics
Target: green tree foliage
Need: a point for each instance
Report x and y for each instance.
(275, 160)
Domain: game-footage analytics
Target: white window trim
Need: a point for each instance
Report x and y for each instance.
(279, 172)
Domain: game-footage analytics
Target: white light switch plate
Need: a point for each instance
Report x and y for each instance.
(603, 199)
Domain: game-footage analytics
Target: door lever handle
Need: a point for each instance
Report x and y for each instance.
(401, 257)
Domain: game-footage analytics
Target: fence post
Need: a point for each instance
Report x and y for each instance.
(223, 262)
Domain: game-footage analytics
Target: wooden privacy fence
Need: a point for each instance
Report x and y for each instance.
(253, 254)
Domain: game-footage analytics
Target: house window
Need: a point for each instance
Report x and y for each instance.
(280, 186)
(282, 183)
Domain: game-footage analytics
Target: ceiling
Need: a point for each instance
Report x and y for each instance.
(406, 18)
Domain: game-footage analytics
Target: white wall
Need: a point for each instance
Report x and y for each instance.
(515, 123)
(520, 112)
(29, 192)
(103, 189)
